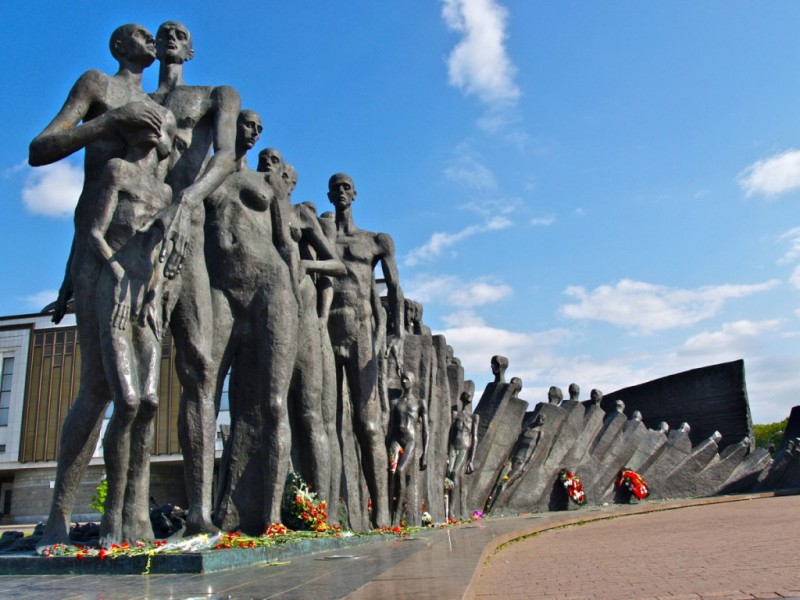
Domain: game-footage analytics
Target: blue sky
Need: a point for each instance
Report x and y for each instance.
(605, 193)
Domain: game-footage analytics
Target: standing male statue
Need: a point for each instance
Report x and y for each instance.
(206, 117)
(97, 106)
(352, 327)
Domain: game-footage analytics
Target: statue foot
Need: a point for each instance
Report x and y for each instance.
(195, 525)
(57, 533)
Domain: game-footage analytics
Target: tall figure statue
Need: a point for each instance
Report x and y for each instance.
(352, 327)
(94, 111)
(255, 334)
(206, 119)
(461, 449)
(133, 212)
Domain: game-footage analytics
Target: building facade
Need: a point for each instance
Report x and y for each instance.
(39, 379)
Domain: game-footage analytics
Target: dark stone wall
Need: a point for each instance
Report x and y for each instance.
(709, 398)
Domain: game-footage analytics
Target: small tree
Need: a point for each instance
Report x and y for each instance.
(771, 432)
(99, 499)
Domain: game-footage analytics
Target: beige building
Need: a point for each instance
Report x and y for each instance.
(40, 375)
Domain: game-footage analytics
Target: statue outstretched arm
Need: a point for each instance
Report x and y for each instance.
(394, 294)
(66, 134)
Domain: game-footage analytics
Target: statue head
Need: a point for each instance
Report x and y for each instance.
(685, 427)
(448, 353)
(716, 437)
(574, 392)
(516, 386)
(554, 395)
(289, 176)
(173, 43)
(133, 42)
(663, 427)
(407, 380)
(341, 190)
(538, 421)
(619, 406)
(636, 416)
(248, 130)
(469, 391)
(596, 396)
(270, 161)
(499, 366)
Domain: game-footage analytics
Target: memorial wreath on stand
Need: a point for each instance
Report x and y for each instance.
(633, 482)
(573, 486)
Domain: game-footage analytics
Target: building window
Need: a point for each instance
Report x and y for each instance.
(5, 390)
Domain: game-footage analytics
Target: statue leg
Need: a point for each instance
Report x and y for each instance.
(81, 428)
(136, 522)
(308, 401)
(362, 379)
(330, 403)
(193, 330)
(277, 350)
(120, 367)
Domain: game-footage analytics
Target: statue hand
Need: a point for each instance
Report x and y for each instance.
(470, 467)
(64, 294)
(176, 237)
(139, 114)
(395, 348)
(122, 306)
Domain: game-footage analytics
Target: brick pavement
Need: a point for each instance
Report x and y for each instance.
(723, 551)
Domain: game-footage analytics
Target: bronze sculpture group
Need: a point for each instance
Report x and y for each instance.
(173, 229)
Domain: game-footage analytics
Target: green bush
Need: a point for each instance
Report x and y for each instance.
(771, 432)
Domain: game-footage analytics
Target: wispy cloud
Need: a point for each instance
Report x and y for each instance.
(41, 299)
(645, 307)
(791, 237)
(440, 241)
(479, 64)
(730, 341)
(772, 176)
(469, 171)
(53, 190)
(544, 221)
(454, 291)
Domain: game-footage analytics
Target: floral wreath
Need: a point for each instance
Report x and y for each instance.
(573, 486)
(633, 482)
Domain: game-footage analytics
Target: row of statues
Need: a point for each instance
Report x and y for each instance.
(174, 230)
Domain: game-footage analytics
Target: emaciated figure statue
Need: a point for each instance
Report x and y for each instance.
(461, 449)
(134, 211)
(352, 327)
(97, 106)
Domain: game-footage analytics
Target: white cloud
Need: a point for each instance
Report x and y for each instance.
(792, 237)
(53, 190)
(794, 278)
(453, 291)
(772, 176)
(468, 171)
(440, 241)
(493, 207)
(728, 342)
(479, 64)
(646, 308)
(41, 299)
(544, 221)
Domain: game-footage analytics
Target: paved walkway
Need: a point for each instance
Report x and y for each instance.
(731, 551)
(736, 547)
